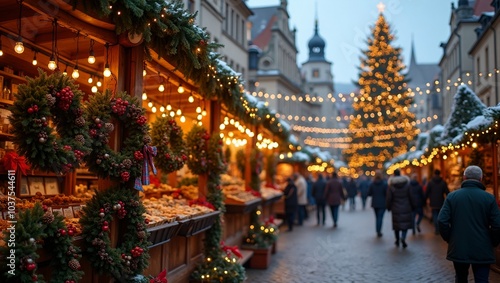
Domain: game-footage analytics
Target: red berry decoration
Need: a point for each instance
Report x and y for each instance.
(30, 110)
(125, 176)
(105, 228)
(30, 266)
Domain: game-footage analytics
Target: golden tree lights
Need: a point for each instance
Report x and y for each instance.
(384, 100)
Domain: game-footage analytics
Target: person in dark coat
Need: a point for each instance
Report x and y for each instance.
(363, 185)
(417, 194)
(436, 192)
(318, 192)
(334, 194)
(378, 192)
(291, 202)
(469, 222)
(400, 204)
(352, 191)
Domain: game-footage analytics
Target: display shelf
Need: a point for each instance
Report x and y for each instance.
(12, 76)
(233, 206)
(272, 199)
(198, 224)
(7, 102)
(163, 233)
(6, 137)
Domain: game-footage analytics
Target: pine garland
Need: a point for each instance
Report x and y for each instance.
(58, 146)
(130, 257)
(167, 136)
(35, 229)
(219, 265)
(102, 110)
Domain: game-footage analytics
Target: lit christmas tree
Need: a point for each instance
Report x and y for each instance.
(382, 126)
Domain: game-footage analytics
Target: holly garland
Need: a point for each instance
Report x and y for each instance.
(167, 136)
(35, 229)
(102, 110)
(49, 124)
(219, 265)
(130, 256)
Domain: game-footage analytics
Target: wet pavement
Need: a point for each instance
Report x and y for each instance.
(353, 253)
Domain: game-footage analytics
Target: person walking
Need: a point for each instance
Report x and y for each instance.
(417, 194)
(301, 184)
(352, 191)
(469, 222)
(437, 190)
(318, 192)
(400, 203)
(291, 202)
(363, 186)
(334, 194)
(378, 192)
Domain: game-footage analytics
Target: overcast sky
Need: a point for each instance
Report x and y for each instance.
(345, 25)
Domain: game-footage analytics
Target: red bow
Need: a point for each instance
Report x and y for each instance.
(270, 220)
(12, 161)
(234, 250)
(161, 278)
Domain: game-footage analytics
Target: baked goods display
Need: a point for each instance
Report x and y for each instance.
(238, 193)
(168, 209)
(268, 193)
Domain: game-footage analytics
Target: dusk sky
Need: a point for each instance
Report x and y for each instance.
(345, 25)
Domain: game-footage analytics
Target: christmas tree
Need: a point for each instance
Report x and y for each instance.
(382, 125)
(466, 106)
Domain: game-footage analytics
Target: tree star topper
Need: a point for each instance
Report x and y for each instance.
(381, 7)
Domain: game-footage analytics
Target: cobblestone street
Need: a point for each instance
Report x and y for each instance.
(352, 253)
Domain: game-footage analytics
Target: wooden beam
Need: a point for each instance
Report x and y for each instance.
(42, 38)
(53, 10)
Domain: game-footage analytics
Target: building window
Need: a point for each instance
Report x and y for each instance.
(227, 17)
(190, 6)
(237, 35)
(478, 70)
(486, 62)
(315, 73)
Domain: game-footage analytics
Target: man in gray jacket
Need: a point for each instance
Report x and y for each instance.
(469, 222)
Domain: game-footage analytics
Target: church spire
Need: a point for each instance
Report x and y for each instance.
(413, 58)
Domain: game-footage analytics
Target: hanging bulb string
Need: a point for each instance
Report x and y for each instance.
(20, 17)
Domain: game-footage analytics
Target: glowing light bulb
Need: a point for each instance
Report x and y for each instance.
(180, 89)
(161, 88)
(76, 74)
(91, 58)
(144, 96)
(99, 83)
(204, 112)
(19, 47)
(169, 107)
(172, 114)
(162, 109)
(150, 104)
(178, 112)
(52, 64)
(1, 52)
(199, 117)
(183, 119)
(94, 89)
(153, 109)
(144, 72)
(90, 80)
(34, 62)
(198, 109)
(107, 71)
(191, 99)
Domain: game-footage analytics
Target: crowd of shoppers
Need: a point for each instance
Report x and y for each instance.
(468, 219)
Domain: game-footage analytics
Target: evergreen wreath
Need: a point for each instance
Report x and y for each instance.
(102, 110)
(197, 147)
(49, 124)
(38, 228)
(130, 257)
(167, 136)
